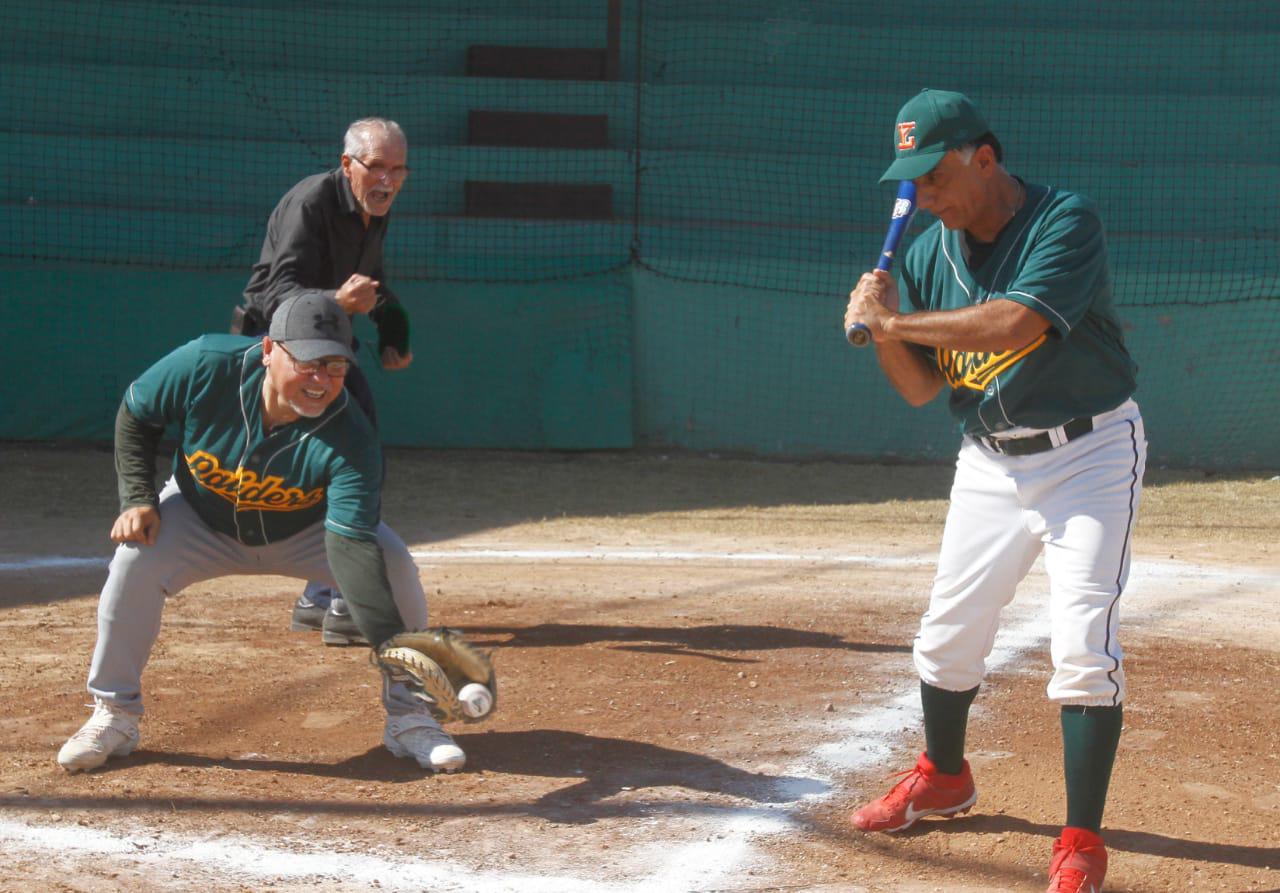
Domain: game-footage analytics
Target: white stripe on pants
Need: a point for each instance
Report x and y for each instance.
(1078, 503)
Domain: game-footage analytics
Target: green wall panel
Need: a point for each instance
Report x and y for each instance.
(80, 334)
(526, 366)
(629, 358)
(155, 136)
(757, 371)
(512, 365)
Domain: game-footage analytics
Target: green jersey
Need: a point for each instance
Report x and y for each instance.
(1051, 257)
(254, 485)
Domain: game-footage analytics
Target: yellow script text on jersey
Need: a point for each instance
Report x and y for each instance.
(243, 489)
(975, 369)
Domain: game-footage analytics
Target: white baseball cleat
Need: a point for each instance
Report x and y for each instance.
(418, 735)
(110, 732)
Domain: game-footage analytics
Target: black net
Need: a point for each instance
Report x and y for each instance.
(734, 145)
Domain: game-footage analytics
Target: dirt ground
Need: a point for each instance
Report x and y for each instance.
(704, 665)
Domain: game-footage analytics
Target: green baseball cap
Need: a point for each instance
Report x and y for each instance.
(932, 122)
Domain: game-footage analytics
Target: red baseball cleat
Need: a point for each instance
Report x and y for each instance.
(1079, 862)
(924, 791)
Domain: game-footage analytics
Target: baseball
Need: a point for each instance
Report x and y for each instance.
(476, 700)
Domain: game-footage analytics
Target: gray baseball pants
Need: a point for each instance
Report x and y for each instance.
(188, 551)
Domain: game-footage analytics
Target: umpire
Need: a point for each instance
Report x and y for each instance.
(327, 233)
(1005, 303)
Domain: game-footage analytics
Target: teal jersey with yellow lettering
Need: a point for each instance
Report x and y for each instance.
(251, 484)
(1051, 257)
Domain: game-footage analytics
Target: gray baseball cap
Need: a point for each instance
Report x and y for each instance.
(312, 325)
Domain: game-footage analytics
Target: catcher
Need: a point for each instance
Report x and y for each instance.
(276, 472)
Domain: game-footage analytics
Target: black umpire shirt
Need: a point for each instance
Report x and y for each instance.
(317, 239)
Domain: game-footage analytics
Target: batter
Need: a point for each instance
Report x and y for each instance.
(1006, 303)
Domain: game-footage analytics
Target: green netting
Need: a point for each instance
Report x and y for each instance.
(744, 144)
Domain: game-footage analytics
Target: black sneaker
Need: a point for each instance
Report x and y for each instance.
(308, 616)
(338, 628)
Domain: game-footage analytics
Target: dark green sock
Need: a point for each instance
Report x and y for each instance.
(1090, 736)
(946, 717)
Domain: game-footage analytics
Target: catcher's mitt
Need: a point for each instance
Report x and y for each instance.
(438, 664)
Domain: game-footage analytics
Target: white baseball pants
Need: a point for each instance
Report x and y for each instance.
(1077, 503)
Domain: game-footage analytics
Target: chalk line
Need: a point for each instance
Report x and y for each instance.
(865, 740)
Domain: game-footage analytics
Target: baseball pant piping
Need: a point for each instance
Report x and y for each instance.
(1078, 504)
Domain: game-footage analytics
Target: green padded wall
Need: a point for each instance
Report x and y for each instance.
(532, 372)
(149, 139)
(833, 401)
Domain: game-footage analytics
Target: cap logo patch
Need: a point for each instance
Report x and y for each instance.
(906, 135)
(326, 322)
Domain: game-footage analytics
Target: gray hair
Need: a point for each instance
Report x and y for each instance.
(987, 139)
(361, 134)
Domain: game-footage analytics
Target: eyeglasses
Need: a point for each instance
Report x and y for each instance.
(382, 172)
(336, 367)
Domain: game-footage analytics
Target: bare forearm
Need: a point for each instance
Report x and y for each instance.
(992, 327)
(912, 376)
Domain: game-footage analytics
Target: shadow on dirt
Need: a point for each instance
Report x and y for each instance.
(669, 639)
(1117, 839)
(609, 775)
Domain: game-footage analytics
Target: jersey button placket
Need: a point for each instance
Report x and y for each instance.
(248, 522)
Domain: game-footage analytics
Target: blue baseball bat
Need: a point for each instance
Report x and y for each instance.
(904, 206)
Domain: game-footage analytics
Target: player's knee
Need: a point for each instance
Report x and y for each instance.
(1099, 683)
(946, 671)
(396, 554)
(137, 568)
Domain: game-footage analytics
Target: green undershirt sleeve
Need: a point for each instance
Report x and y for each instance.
(136, 446)
(361, 572)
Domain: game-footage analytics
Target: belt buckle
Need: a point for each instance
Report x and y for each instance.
(1070, 430)
(1023, 446)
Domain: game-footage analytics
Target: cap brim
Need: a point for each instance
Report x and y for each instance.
(308, 349)
(912, 166)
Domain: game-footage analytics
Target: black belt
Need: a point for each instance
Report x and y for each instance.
(1037, 443)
